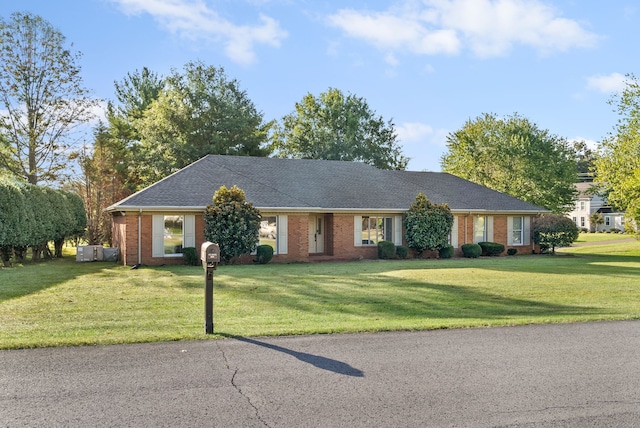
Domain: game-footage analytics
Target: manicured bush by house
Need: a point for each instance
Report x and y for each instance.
(446, 252)
(512, 251)
(491, 248)
(386, 250)
(190, 256)
(264, 254)
(471, 251)
(402, 252)
(427, 225)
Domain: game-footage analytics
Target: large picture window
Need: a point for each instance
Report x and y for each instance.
(376, 229)
(173, 234)
(269, 232)
(480, 229)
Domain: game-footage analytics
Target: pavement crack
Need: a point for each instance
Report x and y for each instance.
(239, 389)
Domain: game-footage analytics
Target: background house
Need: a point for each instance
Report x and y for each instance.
(311, 209)
(589, 202)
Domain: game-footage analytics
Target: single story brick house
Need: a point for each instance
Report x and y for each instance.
(311, 209)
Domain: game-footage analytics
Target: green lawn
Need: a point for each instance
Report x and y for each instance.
(599, 237)
(62, 302)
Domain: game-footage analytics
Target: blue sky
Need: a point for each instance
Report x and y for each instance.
(429, 65)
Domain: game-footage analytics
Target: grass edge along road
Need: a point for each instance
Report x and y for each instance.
(61, 302)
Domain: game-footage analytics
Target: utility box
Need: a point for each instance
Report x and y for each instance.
(89, 253)
(110, 254)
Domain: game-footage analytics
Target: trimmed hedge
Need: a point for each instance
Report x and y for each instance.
(446, 252)
(190, 256)
(386, 250)
(402, 251)
(491, 248)
(512, 251)
(264, 254)
(472, 251)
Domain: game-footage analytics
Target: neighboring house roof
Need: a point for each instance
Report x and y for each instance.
(302, 184)
(585, 189)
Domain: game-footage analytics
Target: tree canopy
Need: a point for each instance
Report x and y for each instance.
(512, 155)
(335, 126)
(198, 112)
(552, 230)
(42, 98)
(618, 167)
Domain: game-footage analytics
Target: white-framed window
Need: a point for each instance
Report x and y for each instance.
(171, 233)
(607, 220)
(581, 221)
(273, 232)
(575, 220)
(518, 230)
(582, 205)
(376, 229)
(480, 229)
(453, 235)
(371, 229)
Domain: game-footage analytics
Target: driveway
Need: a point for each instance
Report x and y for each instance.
(572, 375)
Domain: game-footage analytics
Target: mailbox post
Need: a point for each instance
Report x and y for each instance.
(210, 257)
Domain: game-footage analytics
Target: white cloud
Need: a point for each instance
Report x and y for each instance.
(610, 83)
(488, 28)
(423, 145)
(195, 20)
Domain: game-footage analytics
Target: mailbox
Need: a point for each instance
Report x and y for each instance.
(210, 255)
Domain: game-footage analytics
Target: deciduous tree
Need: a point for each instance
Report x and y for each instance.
(335, 126)
(552, 230)
(198, 112)
(514, 156)
(618, 168)
(42, 97)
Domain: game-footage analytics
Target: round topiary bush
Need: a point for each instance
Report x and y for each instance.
(512, 251)
(264, 254)
(386, 250)
(190, 256)
(491, 248)
(402, 251)
(446, 252)
(472, 251)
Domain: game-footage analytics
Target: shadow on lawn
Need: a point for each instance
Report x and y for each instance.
(22, 280)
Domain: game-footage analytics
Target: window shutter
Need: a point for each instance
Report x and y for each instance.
(157, 236)
(189, 231)
(489, 228)
(283, 234)
(357, 231)
(526, 230)
(509, 230)
(454, 232)
(397, 230)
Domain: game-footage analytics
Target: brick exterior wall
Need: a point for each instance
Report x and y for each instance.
(338, 232)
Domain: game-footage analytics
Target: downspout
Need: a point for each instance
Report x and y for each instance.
(140, 237)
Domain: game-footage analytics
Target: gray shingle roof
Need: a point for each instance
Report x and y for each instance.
(273, 183)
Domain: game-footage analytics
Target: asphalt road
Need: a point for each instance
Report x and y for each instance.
(573, 375)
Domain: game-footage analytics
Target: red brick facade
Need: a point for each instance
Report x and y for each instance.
(338, 238)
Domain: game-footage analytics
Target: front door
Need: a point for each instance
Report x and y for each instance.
(316, 234)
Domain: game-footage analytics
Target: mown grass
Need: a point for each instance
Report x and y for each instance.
(62, 302)
(600, 237)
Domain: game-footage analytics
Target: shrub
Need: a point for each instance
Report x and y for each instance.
(386, 250)
(512, 251)
(446, 252)
(264, 254)
(471, 251)
(402, 251)
(553, 230)
(491, 248)
(615, 230)
(427, 225)
(190, 256)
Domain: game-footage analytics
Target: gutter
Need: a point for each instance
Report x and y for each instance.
(140, 237)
